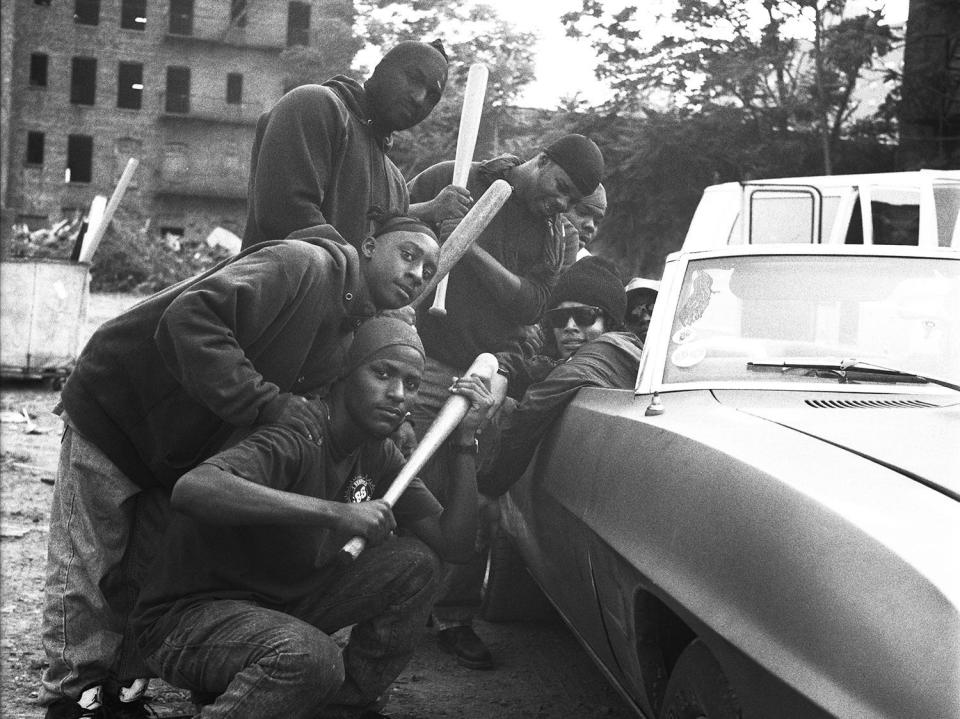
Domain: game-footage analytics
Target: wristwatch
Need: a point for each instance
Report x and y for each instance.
(473, 448)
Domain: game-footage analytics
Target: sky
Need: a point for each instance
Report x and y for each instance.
(565, 66)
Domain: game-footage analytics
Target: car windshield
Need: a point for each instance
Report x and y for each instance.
(790, 318)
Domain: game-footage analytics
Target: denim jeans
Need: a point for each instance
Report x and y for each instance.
(103, 532)
(461, 584)
(263, 663)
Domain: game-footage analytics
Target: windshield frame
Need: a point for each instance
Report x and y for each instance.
(654, 359)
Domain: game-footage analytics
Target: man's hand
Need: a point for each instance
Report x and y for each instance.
(296, 412)
(371, 520)
(474, 389)
(451, 203)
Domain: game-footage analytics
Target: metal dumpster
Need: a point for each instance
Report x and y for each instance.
(43, 307)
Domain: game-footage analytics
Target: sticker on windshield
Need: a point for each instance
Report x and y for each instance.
(688, 355)
(684, 334)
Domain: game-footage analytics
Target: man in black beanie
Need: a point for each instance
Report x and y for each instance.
(319, 156)
(501, 284)
(584, 347)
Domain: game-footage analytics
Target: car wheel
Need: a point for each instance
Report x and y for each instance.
(698, 688)
(510, 594)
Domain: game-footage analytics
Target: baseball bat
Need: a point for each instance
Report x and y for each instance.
(466, 142)
(466, 233)
(450, 415)
(91, 244)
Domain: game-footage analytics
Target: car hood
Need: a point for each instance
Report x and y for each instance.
(919, 437)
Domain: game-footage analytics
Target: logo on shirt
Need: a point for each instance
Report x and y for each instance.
(359, 489)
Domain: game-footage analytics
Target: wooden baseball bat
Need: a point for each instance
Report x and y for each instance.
(466, 142)
(466, 233)
(450, 415)
(91, 244)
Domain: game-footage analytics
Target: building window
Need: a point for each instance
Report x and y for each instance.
(35, 142)
(181, 17)
(38, 69)
(238, 13)
(133, 14)
(44, 3)
(86, 12)
(83, 81)
(298, 24)
(178, 89)
(130, 85)
(234, 88)
(79, 158)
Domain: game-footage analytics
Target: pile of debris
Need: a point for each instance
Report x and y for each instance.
(59, 242)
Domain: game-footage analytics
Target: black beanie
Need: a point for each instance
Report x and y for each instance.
(403, 223)
(593, 281)
(580, 158)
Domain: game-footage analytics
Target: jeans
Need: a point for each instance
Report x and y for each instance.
(460, 597)
(103, 532)
(263, 663)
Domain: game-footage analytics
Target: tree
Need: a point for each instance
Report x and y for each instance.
(748, 54)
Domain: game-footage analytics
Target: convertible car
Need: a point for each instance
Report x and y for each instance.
(768, 525)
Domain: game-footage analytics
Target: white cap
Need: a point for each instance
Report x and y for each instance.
(641, 283)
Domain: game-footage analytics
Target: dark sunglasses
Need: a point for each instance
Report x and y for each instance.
(582, 316)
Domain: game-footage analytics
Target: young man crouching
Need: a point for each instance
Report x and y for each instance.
(246, 592)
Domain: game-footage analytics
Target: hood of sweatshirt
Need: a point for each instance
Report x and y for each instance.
(355, 98)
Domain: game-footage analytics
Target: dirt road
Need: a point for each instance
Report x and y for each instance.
(541, 672)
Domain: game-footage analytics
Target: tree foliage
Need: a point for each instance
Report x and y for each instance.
(791, 64)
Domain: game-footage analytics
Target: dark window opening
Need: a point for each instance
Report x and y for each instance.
(178, 89)
(83, 81)
(35, 142)
(238, 13)
(181, 17)
(130, 85)
(38, 69)
(298, 24)
(79, 158)
(133, 14)
(44, 3)
(234, 88)
(86, 12)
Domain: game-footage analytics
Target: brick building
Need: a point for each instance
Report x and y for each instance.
(178, 84)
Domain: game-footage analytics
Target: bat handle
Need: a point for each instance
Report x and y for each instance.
(439, 306)
(351, 550)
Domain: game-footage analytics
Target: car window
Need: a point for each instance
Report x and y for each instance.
(900, 312)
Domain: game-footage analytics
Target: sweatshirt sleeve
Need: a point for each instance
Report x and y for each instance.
(295, 156)
(202, 334)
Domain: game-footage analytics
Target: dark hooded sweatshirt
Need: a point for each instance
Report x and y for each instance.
(317, 160)
(160, 387)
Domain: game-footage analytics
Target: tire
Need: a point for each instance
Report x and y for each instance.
(698, 688)
(510, 594)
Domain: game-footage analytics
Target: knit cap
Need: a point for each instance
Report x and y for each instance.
(596, 199)
(580, 158)
(592, 281)
(376, 335)
(402, 223)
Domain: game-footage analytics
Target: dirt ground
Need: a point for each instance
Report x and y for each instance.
(541, 671)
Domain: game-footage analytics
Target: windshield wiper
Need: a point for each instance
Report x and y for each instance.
(841, 369)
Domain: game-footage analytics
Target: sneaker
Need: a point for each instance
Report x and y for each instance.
(464, 643)
(98, 705)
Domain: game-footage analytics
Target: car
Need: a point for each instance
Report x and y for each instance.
(885, 208)
(768, 524)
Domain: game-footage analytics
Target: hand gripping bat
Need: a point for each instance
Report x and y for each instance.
(466, 142)
(466, 233)
(450, 415)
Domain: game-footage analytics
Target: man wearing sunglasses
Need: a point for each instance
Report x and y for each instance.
(584, 347)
